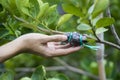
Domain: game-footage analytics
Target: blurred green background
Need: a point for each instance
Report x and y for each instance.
(84, 59)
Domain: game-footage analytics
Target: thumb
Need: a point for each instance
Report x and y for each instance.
(55, 38)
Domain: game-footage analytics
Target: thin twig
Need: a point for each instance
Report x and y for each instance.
(20, 19)
(39, 28)
(95, 34)
(49, 31)
(104, 42)
(109, 43)
(113, 27)
(27, 69)
(93, 30)
(74, 69)
(55, 68)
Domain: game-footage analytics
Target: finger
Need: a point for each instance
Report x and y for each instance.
(52, 46)
(62, 46)
(57, 43)
(55, 38)
(60, 52)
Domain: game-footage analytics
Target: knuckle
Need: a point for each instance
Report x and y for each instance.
(59, 38)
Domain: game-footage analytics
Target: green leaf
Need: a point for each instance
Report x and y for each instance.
(9, 75)
(52, 8)
(103, 22)
(40, 2)
(94, 21)
(9, 5)
(90, 10)
(12, 6)
(101, 30)
(43, 8)
(71, 9)
(61, 77)
(51, 15)
(23, 6)
(83, 27)
(64, 19)
(92, 37)
(6, 5)
(53, 79)
(100, 6)
(34, 8)
(30, 26)
(2, 15)
(25, 78)
(39, 73)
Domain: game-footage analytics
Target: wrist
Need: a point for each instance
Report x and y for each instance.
(11, 49)
(19, 45)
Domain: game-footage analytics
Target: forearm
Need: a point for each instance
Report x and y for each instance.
(10, 49)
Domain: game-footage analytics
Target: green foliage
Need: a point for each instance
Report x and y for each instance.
(23, 8)
(59, 77)
(101, 30)
(103, 22)
(25, 78)
(32, 14)
(71, 9)
(43, 9)
(83, 26)
(24, 16)
(51, 14)
(63, 19)
(9, 75)
(39, 73)
(100, 6)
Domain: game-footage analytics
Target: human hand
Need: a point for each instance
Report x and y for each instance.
(40, 44)
(47, 46)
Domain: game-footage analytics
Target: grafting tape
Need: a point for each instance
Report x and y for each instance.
(81, 42)
(70, 37)
(88, 46)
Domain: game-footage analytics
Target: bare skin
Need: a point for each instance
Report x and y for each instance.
(40, 44)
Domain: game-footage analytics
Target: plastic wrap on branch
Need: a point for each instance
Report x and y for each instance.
(76, 39)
